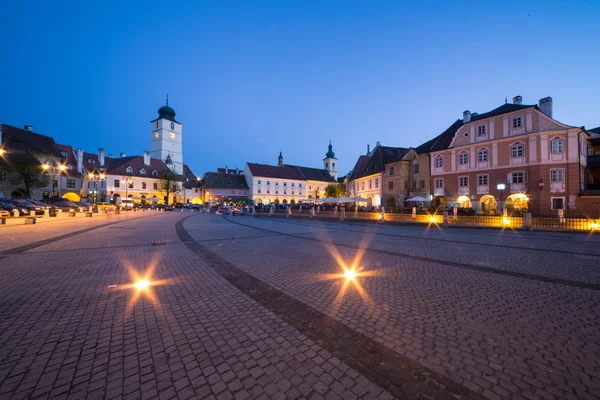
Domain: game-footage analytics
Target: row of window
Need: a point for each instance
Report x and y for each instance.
(556, 175)
(517, 122)
(415, 169)
(219, 191)
(409, 185)
(277, 183)
(277, 192)
(516, 150)
(362, 184)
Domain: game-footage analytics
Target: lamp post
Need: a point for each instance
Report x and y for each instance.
(541, 183)
(53, 169)
(501, 187)
(96, 178)
(128, 181)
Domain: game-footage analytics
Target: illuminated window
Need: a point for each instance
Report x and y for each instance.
(131, 184)
(129, 170)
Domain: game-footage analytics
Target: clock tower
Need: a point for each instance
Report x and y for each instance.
(166, 138)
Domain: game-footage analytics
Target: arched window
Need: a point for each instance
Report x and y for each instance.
(439, 161)
(482, 155)
(155, 173)
(142, 171)
(463, 158)
(557, 145)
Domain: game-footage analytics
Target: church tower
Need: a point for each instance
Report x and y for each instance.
(166, 140)
(330, 162)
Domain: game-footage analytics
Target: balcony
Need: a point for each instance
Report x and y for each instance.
(593, 161)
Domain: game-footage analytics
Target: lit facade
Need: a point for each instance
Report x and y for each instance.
(538, 160)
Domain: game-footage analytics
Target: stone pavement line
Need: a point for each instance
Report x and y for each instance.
(282, 221)
(21, 249)
(396, 374)
(489, 270)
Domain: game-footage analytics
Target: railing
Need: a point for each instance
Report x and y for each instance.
(497, 221)
(567, 224)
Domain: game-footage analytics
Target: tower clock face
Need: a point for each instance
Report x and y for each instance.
(172, 135)
(156, 134)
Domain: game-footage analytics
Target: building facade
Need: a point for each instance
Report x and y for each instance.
(515, 156)
(286, 184)
(218, 187)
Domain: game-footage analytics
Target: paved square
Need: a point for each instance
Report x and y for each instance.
(247, 307)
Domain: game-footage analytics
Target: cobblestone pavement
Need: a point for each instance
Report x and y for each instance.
(244, 308)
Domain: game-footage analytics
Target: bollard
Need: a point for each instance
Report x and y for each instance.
(289, 212)
(312, 212)
(30, 221)
(355, 209)
(318, 209)
(32, 213)
(445, 223)
(342, 213)
(47, 213)
(335, 211)
(71, 212)
(561, 215)
(88, 214)
(270, 211)
(527, 221)
(382, 218)
(15, 213)
(253, 210)
(414, 212)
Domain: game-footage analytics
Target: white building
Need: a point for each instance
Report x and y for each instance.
(288, 184)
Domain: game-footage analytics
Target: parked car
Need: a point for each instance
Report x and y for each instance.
(105, 207)
(4, 213)
(11, 207)
(195, 206)
(29, 206)
(168, 207)
(64, 205)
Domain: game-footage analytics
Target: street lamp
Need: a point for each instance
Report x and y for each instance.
(501, 187)
(128, 181)
(1, 152)
(53, 169)
(96, 178)
(541, 183)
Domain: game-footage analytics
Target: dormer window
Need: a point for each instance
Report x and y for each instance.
(69, 167)
(129, 170)
(517, 122)
(142, 171)
(62, 153)
(154, 173)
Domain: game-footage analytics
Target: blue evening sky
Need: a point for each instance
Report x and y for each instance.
(250, 78)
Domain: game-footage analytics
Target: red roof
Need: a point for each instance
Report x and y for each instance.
(271, 171)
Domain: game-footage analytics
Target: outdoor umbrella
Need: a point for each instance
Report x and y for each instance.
(417, 198)
(359, 199)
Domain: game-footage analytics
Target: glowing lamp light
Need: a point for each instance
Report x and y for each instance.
(1, 151)
(141, 284)
(506, 221)
(432, 218)
(45, 166)
(594, 226)
(91, 176)
(350, 274)
(102, 176)
(62, 167)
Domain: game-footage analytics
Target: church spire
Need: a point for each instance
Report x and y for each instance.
(280, 159)
(167, 99)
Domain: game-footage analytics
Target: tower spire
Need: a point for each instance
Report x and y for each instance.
(167, 99)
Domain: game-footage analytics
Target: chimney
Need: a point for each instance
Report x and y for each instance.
(226, 170)
(123, 155)
(29, 128)
(377, 145)
(545, 106)
(518, 100)
(110, 155)
(368, 149)
(466, 116)
(80, 160)
(237, 171)
(101, 157)
(146, 158)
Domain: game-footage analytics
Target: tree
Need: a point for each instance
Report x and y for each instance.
(27, 171)
(167, 182)
(335, 190)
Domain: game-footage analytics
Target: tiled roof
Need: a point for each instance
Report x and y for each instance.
(271, 171)
(224, 181)
(374, 164)
(118, 166)
(17, 139)
(443, 140)
(229, 171)
(595, 130)
(68, 159)
(312, 174)
(190, 180)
